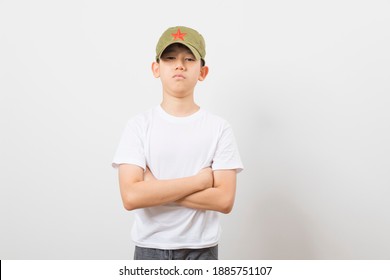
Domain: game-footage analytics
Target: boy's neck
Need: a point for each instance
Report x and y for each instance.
(179, 107)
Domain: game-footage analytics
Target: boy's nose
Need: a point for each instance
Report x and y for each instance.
(179, 66)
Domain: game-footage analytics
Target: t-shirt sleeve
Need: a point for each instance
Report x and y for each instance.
(131, 146)
(227, 155)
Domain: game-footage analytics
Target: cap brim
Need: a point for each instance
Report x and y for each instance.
(192, 49)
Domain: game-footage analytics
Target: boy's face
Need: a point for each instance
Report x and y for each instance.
(179, 70)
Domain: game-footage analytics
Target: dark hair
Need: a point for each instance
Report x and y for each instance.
(167, 49)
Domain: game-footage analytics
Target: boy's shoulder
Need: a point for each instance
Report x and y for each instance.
(216, 118)
(144, 118)
(139, 121)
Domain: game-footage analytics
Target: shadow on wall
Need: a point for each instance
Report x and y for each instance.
(267, 221)
(283, 228)
(268, 227)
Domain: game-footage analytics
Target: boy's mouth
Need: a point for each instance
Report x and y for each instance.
(179, 76)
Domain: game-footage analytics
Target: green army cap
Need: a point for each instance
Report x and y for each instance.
(182, 35)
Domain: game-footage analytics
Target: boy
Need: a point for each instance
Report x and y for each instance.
(177, 163)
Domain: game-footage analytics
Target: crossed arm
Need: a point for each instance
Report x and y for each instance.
(207, 190)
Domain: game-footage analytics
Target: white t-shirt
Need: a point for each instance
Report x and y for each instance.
(176, 147)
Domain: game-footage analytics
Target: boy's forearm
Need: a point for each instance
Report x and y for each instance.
(157, 192)
(219, 198)
(210, 199)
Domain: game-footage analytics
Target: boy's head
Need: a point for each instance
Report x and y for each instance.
(185, 36)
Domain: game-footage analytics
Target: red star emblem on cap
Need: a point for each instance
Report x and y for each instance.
(178, 35)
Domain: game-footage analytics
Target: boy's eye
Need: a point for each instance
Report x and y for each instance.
(171, 57)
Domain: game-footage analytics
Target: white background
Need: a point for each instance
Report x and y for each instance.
(305, 85)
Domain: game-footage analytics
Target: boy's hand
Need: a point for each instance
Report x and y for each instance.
(206, 177)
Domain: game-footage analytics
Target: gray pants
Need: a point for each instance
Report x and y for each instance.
(142, 253)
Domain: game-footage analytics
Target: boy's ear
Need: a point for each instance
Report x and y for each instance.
(203, 73)
(156, 69)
